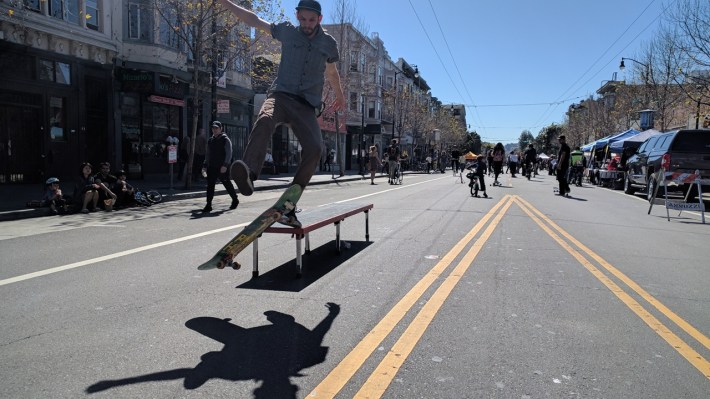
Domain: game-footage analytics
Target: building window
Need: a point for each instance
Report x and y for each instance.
(354, 57)
(138, 22)
(371, 109)
(241, 63)
(159, 122)
(33, 5)
(67, 10)
(54, 71)
(17, 66)
(354, 97)
(92, 14)
(168, 24)
(57, 119)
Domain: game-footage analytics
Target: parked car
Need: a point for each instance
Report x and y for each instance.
(683, 151)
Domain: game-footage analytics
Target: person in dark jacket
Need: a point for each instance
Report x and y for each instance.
(480, 169)
(563, 161)
(217, 161)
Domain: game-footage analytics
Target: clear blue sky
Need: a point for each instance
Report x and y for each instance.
(495, 55)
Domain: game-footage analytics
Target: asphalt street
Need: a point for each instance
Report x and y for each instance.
(521, 295)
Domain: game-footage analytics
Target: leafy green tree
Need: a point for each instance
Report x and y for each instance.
(525, 138)
(208, 41)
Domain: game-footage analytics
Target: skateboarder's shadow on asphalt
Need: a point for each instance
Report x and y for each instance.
(198, 214)
(270, 354)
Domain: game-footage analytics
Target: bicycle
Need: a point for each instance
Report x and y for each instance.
(528, 169)
(147, 198)
(473, 182)
(397, 175)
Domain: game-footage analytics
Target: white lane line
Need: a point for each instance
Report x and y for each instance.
(388, 190)
(162, 244)
(113, 256)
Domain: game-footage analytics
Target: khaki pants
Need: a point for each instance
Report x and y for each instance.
(279, 109)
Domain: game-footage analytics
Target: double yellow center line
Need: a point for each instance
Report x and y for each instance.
(385, 372)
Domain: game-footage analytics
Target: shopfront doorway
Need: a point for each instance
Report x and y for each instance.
(21, 143)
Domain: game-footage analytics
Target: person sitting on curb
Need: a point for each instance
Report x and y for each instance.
(53, 197)
(86, 191)
(105, 180)
(125, 194)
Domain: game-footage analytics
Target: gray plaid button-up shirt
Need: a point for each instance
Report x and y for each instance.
(302, 68)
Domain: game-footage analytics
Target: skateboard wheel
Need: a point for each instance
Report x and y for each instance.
(236, 265)
(224, 262)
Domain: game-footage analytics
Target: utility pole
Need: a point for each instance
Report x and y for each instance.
(215, 55)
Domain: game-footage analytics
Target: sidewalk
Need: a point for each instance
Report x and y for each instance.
(13, 197)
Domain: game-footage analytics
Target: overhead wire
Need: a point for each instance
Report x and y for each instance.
(453, 59)
(553, 107)
(438, 56)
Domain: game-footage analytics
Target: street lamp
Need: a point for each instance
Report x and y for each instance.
(394, 102)
(360, 137)
(622, 66)
(646, 77)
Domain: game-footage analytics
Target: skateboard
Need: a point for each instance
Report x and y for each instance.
(225, 256)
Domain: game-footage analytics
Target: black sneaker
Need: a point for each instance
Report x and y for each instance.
(239, 172)
(235, 204)
(290, 219)
(207, 209)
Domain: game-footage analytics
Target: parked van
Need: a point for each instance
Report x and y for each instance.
(683, 151)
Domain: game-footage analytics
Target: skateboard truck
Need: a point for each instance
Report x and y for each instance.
(228, 261)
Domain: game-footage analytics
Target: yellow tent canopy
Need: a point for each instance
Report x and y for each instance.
(470, 156)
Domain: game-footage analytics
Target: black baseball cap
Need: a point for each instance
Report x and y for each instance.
(217, 124)
(310, 5)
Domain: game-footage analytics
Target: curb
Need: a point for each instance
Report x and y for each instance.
(29, 213)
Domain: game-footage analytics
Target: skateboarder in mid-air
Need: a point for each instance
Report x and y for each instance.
(295, 97)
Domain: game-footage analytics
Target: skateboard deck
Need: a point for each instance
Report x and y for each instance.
(225, 256)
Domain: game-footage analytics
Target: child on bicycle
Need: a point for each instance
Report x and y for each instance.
(479, 169)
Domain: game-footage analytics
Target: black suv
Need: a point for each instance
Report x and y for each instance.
(679, 151)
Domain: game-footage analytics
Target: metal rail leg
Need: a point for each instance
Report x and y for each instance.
(367, 226)
(308, 244)
(299, 260)
(255, 257)
(337, 237)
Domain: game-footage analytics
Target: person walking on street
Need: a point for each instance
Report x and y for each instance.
(308, 57)
(455, 155)
(563, 161)
(217, 160)
(374, 163)
(513, 159)
(480, 171)
(498, 155)
(576, 166)
(530, 159)
(393, 157)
